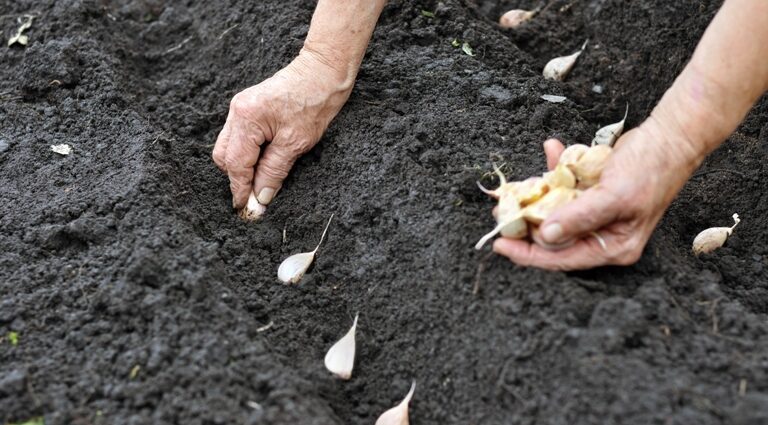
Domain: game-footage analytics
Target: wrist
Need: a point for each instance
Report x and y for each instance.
(334, 67)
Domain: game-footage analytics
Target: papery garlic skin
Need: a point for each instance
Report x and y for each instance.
(558, 68)
(516, 17)
(293, 268)
(398, 415)
(253, 210)
(589, 167)
(340, 359)
(711, 239)
(610, 133)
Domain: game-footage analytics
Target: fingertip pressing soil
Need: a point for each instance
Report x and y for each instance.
(139, 297)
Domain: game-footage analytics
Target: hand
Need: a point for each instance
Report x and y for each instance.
(291, 110)
(645, 172)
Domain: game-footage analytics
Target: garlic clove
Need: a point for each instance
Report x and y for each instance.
(558, 68)
(554, 199)
(496, 230)
(590, 166)
(572, 154)
(516, 17)
(561, 176)
(713, 238)
(398, 415)
(608, 134)
(530, 190)
(293, 268)
(340, 358)
(509, 211)
(253, 210)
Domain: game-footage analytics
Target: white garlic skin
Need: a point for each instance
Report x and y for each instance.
(516, 17)
(398, 415)
(610, 133)
(340, 359)
(253, 210)
(558, 68)
(711, 239)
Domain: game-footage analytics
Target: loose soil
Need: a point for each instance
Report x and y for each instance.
(139, 297)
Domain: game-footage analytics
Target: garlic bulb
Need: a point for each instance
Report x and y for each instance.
(713, 238)
(608, 134)
(515, 18)
(590, 166)
(340, 359)
(572, 154)
(561, 176)
(398, 415)
(253, 211)
(558, 68)
(292, 269)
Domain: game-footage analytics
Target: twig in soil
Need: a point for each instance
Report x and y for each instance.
(743, 387)
(479, 273)
(180, 45)
(228, 30)
(285, 234)
(719, 170)
(265, 327)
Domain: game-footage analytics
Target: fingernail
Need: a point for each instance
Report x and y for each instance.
(266, 195)
(552, 233)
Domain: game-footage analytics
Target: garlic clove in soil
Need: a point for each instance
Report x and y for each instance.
(516, 17)
(398, 415)
(572, 154)
(590, 166)
(558, 68)
(561, 176)
(340, 358)
(713, 238)
(253, 210)
(292, 269)
(608, 134)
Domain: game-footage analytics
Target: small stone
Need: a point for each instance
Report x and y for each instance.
(4, 145)
(597, 88)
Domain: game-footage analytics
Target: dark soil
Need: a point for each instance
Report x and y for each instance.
(138, 295)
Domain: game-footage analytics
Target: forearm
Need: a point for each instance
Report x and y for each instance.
(726, 75)
(340, 32)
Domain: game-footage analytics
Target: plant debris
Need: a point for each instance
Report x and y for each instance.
(63, 149)
(25, 23)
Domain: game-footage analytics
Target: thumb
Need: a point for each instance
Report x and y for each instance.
(274, 165)
(594, 209)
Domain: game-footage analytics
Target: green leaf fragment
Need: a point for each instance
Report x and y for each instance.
(13, 337)
(428, 14)
(466, 48)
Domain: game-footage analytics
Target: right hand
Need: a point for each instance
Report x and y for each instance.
(291, 110)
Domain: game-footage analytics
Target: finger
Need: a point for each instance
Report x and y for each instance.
(273, 167)
(584, 254)
(222, 142)
(553, 148)
(594, 209)
(241, 157)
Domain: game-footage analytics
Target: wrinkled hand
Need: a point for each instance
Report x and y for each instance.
(646, 171)
(290, 110)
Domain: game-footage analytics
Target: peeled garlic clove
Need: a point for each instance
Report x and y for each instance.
(398, 415)
(713, 238)
(515, 18)
(608, 134)
(509, 212)
(558, 68)
(554, 199)
(292, 269)
(536, 237)
(590, 166)
(530, 190)
(340, 359)
(561, 176)
(572, 154)
(253, 211)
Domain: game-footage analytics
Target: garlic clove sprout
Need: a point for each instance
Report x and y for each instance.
(554, 199)
(398, 415)
(340, 358)
(496, 230)
(713, 238)
(253, 210)
(572, 154)
(509, 212)
(558, 68)
(561, 176)
(608, 134)
(516, 17)
(590, 166)
(292, 269)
